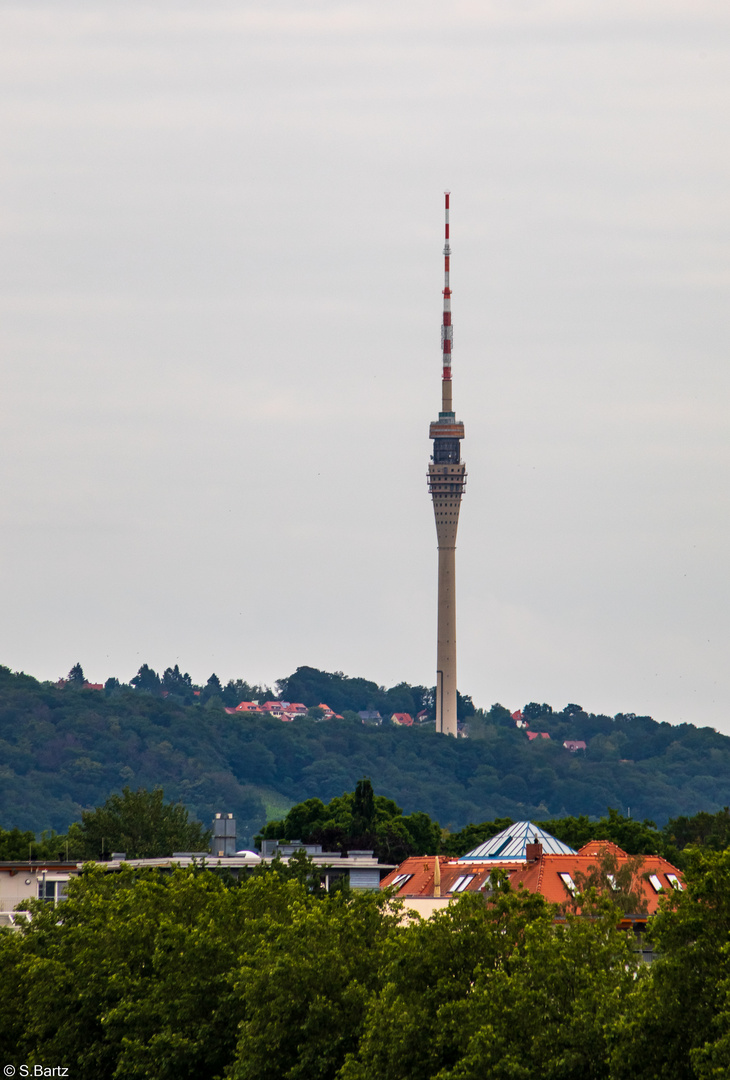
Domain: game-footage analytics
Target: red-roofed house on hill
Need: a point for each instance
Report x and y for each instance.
(534, 860)
(274, 708)
(403, 718)
(61, 683)
(537, 735)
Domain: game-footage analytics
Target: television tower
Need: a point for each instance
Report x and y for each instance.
(446, 482)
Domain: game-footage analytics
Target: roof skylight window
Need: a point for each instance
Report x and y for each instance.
(568, 882)
(655, 883)
(461, 882)
(501, 847)
(675, 882)
(401, 879)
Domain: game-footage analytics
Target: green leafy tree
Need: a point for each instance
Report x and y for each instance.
(147, 680)
(701, 830)
(499, 715)
(76, 676)
(550, 1008)
(212, 689)
(175, 682)
(306, 989)
(429, 968)
(363, 807)
(620, 881)
(237, 690)
(134, 974)
(533, 711)
(17, 844)
(464, 706)
(359, 819)
(12, 997)
(140, 824)
(502, 991)
(679, 1023)
(631, 835)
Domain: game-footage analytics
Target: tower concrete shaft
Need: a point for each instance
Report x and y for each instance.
(446, 482)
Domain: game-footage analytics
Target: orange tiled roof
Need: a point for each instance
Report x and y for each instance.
(415, 876)
(597, 847)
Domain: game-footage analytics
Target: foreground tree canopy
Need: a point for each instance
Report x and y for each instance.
(191, 975)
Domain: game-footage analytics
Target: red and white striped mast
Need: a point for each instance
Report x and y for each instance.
(447, 332)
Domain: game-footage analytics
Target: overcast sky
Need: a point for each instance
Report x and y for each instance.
(219, 334)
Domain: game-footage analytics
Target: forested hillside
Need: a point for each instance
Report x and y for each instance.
(63, 749)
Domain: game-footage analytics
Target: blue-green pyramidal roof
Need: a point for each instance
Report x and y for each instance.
(511, 843)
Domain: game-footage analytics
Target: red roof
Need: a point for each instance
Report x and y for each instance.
(537, 735)
(246, 706)
(415, 876)
(402, 718)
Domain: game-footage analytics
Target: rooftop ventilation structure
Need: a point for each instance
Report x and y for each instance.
(224, 835)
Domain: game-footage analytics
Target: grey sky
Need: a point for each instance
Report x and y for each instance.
(222, 230)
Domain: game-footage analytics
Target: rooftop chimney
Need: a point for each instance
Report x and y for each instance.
(533, 852)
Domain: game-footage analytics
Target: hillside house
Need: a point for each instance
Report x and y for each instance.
(403, 718)
(370, 716)
(273, 708)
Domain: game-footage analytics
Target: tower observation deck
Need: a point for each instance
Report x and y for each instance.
(446, 483)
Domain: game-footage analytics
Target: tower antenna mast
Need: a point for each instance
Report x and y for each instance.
(446, 482)
(447, 332)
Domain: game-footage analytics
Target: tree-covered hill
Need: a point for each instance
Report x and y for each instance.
(64, 749)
